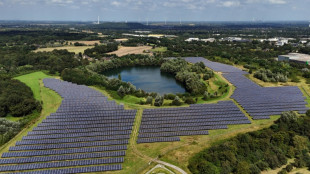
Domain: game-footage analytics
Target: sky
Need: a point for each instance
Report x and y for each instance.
(155, 10)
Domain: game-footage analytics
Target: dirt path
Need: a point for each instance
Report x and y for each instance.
(141, 155)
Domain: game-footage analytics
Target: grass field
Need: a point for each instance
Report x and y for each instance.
(76, 50)
(159, 49)
(51, 101)
(122, 51)
(33, 81)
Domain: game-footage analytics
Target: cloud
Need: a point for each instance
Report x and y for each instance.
(277, 1)
(115, 3)
(230, 3)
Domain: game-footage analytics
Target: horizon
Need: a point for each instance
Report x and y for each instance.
(170, 10)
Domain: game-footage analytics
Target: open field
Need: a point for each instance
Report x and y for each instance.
(33, 81)
(76, 50)
(159, 49)
(122, 51)
(89, 43)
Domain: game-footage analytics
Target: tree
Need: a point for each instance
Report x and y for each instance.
(243, 168)
(159, 100)
(121, 91)
(176, 101)
(206, 95)
(149, 100)
(119, 76)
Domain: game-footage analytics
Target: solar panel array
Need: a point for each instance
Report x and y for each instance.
(167, 124)
(259, 102)
(87, 130)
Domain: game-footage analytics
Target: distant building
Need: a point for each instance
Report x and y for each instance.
(208, 40)
(192, 39)
(295, 57)
(282, 42)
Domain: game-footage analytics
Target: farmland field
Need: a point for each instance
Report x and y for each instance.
(132, 50)
(74, 49)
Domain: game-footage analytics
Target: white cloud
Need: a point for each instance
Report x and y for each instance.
(230, 3)
(115, 3)
(277, 1)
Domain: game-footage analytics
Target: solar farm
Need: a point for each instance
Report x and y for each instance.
(164, 125)
(88, 133)
(259, 102)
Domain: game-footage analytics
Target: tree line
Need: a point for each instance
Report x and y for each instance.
(253, 152)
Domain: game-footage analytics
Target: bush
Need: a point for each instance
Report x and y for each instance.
(289, 168)
(159, 101)
(269, 76)
(206, 95)
(149, 100)
(308, 113)
(176, 101)
(189, 100)
(169, 96)
(121, 91)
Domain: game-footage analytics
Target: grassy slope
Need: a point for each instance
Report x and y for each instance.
(51, 101)
(33, 81)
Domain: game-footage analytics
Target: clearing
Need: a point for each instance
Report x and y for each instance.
(76, 50)
(122, 51)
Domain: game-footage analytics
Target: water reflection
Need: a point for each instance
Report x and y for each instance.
(148, 78)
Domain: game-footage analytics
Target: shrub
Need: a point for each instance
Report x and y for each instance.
(149, 100)
(121, 91)
(189, 100)
(159, 101)
(176, 101)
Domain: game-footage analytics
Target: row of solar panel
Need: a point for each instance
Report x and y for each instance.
(119, 120)
(77, 170)
(60, 164)
(61, 157)
(72, 140)
(76, 135)
(71, 145)
(177, 129)
(190, 117)
(87, 123)
(63, 151)
(196, 124)
(108, 119)
(103, 113)
(175, 121)
(157, 139)
(172, 134)
(177, 114)
(189, 109)
(80, 126)
(68, 131)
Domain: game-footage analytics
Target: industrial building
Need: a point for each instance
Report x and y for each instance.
(295, 57)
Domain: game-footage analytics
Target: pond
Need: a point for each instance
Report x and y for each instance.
(148, 78)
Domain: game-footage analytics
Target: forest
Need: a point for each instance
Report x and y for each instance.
(253, 152)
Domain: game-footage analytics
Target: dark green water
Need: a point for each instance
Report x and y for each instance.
(148, 78)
